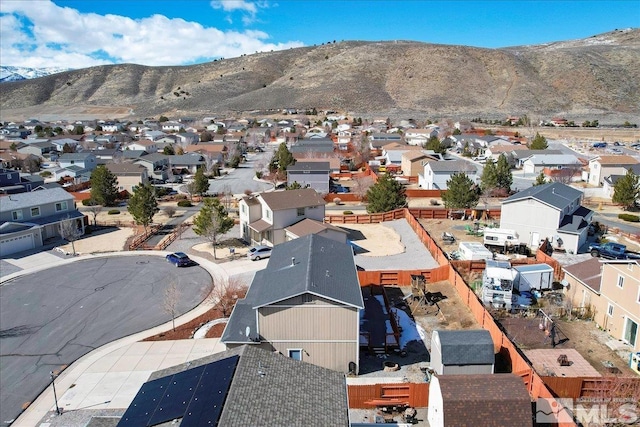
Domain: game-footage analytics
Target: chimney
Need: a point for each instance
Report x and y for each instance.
(293, 261)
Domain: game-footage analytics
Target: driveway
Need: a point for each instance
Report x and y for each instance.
(242, 178)
(50, 318)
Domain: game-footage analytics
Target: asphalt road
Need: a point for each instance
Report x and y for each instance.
(51, 318)
(241, 179)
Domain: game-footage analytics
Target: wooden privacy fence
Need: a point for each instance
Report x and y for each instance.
(407, 213)
(401, 277)
(372, 395)
(592, 387)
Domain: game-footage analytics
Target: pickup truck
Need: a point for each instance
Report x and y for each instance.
(612, 251)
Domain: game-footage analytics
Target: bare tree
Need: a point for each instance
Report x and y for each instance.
(361, 186)
(223, 293)
(170, 211)
(209, 164)
(191, 188)
(565, 175)
(227, 196)
(95, 210)
(70, 231)
(171, 300)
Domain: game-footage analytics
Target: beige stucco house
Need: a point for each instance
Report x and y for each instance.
(264, 217)
(129, 175)
(602, 166)
(611, 290)
(305, 305)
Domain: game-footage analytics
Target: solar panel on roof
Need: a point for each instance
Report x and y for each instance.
(177, 396)
(145, 403)
(208, 400)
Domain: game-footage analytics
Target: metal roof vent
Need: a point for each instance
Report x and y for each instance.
(293, 261)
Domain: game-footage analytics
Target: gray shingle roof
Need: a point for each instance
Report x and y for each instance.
(452, 166)
(575, 222)
(33, 198)
(292, 199)
(289, 393)
(466, 347)
(323, 267)
(309, 166)
(554, 194)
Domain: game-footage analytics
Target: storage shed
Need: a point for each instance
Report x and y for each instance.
(533, 276)
(462, 352)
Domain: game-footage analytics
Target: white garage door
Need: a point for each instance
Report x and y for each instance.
(16, 244)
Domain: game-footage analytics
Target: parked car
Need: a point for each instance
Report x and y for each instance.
(180, 259)
(257, 253)
(618, 144)
(338, 189)
(599, 145)
(259, 150)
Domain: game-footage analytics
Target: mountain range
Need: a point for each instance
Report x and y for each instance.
(14, 74)
(593, 78)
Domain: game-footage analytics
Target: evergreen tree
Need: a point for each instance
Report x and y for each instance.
(461, 192)
(281, 159)
(627, 190)
(539, 142)
(104, 186)
(168, 150)
(143, 205)
(489, 177)
(434, 144)
(540, 179)
(504, 178)
(386, 195)
(212, 221)
(201, 182)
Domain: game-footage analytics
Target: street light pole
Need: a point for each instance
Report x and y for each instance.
(55, 396)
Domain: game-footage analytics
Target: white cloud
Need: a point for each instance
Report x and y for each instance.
(232, 5)
(42, 34)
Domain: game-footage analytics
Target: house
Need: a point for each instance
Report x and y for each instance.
(436, 173)
(317, 146)
(392, 152)
(85, 161)
(186, 162)
(520, 156)
(310, 174)
(11, 182)
(112, 127)
(218, 152)
(186, 138)
(60, 143)
(378, 140)
(310, 226)
(40, 148)
(246, 386)
(29, 220)
(550, 211)
(334, 162)
(509, 151)
(145, 145)
(172, 126)
(157, 165)
(603, 166)
(610, 289)
(129, 175)
(412, 162)
(264, 217)
(536, 163)
(609, 182)
(419, 136)
(462, 352)
(499, 400)
(308, 282)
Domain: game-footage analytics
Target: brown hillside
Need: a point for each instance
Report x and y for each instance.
(598, 77)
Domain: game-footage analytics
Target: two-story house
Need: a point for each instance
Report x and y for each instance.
(419, 136)
(436, 173)
(28, 220)
(144, 144)
(610, 289)
(76, 164)
(157, 165)
(305, 305)
(11, 182)
(310, 174)
(264, 217)
(603, 166)
(550, 211)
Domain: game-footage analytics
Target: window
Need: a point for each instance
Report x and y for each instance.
(610, 310)
(35, 212)
(243, 208)
(61, 206)
(267, 214)
(16, 215)
(295, 353)
(620, 281)
(300, 211)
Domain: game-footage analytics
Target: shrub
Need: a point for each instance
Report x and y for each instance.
(629, 217)
(181, 197)
(184, 204)
(45, 174)
(259, 174)
(113, 212)
(88, 202)
(347, 213)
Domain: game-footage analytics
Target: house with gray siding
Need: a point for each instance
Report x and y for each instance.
(310, 174)
(28, 220)
(550, 211)
(304, 305)
(436, 173)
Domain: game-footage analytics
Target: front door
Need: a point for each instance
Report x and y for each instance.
(630, 332)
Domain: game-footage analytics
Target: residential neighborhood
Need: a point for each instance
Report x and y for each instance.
(335, 271)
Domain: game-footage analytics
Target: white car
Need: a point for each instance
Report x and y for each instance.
(257, 253)
(480, 159)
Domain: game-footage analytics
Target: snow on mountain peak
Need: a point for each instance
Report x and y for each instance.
(12, 74)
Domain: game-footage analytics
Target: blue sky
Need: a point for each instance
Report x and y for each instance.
(82, 33)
